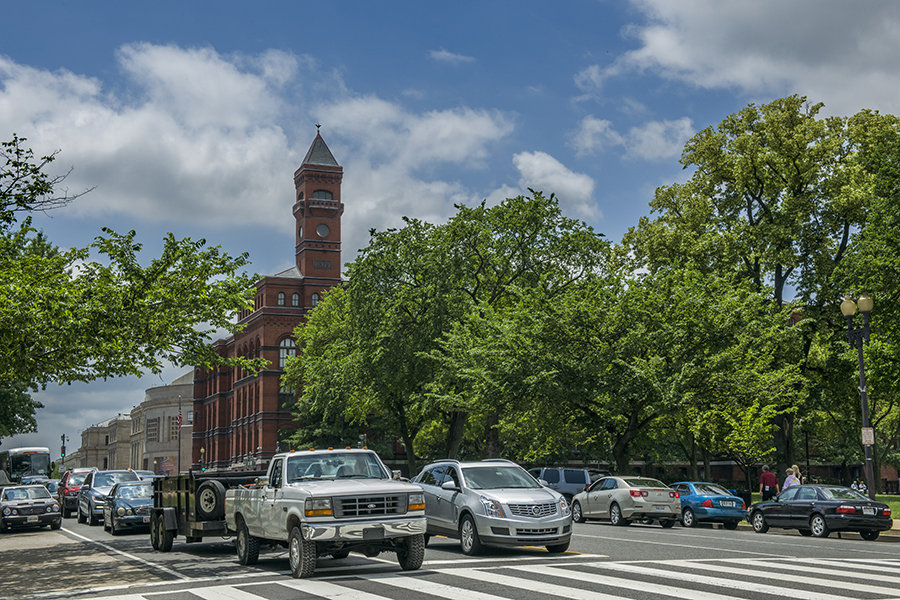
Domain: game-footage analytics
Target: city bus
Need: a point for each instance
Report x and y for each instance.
(22, 462)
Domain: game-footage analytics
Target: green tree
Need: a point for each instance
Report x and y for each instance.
(65, 317)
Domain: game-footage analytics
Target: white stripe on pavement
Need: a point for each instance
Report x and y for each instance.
(431, 588)
(734, 584)
(222, 592)
(329, 590)
(129, 556)
(531, 585)
(657, 543)
(814, 567)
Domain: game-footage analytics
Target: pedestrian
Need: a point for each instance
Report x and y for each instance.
(863, 488)
(768, 483)
(854, 485)
(790, 480)
(797, 474)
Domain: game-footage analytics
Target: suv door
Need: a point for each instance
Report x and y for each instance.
(575, 480)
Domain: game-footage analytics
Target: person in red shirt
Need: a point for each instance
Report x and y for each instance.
(768, 483)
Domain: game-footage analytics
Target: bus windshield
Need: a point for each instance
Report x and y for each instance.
(22, 462)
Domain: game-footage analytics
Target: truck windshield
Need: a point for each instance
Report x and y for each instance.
(336, 465)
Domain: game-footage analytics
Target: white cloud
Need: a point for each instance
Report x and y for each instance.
(842, 53)
(446, 56)
(654, 140)
(543, 173)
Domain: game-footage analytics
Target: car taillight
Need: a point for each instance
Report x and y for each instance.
(743, 505)
(674, 495)
(638, 493)
(845, 509)
(707, 503)
(886, 512)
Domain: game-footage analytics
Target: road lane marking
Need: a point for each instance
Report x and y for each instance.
(329, 590)
(550, 589)
(813, 566)
(794, 577)
(633, 541)
(735, 584)
(628, 584)
(432, 588)
(224, 592)
(128, 555)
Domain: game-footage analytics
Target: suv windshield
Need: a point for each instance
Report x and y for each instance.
(490, 478)
(337, 465)
(110, 479)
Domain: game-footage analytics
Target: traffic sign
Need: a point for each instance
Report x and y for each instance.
(868, 436)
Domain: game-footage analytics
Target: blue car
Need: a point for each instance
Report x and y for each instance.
(710, 503)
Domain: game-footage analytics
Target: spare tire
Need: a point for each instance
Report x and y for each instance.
(211, 500)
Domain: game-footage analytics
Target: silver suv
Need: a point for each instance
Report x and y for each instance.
(493, 502)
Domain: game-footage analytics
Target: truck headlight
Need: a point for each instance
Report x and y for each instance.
(416, 501)
(318, 507)
(491, 507)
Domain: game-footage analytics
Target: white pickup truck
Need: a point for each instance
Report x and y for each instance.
(328, 502)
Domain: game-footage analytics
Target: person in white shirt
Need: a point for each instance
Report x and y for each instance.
(790, 480)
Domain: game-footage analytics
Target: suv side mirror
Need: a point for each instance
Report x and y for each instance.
(450, 486)
(543, 482)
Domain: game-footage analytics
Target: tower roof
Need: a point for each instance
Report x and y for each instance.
(319, 154)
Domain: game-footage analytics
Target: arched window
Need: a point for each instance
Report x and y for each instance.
(323, 195)
(315, 300)
(280, 298)
(286, 348)
(295, 300)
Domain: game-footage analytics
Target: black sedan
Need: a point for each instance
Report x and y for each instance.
(128, 506)
(28, 506)
(820, 509)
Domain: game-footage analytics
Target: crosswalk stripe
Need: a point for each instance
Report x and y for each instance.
(794, 578)
(879, 567)
(629, 584)
(735, 584)
(812, 568)
(329, 590)
(223, 592)
(418, 584)
(531, 585)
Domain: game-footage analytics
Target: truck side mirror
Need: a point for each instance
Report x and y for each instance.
(262, 481)
(395, 474)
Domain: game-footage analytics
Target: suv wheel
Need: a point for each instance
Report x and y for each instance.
(81, 518)
(468, 536)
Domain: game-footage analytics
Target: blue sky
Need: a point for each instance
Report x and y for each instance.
(191, 117)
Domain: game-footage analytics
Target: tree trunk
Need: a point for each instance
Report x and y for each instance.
(491, 437)
(784, 444)
(455, 433)
(707, 470)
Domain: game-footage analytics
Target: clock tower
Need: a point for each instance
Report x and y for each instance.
(317, 210)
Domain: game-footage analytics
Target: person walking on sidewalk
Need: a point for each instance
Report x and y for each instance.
(768, 483)
(790, 480)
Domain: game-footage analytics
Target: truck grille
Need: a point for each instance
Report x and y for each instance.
(366, 506)
(533, 510)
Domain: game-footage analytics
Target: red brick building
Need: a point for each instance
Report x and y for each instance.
(237, 417)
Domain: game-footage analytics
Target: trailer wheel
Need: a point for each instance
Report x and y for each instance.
(165, 536)
(154, 532)
(211, 500)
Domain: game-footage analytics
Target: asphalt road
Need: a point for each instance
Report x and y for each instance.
(639, 561)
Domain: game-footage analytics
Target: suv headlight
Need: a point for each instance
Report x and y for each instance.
(564, 507)
(318, 507)
(416, 501)
(492, 507)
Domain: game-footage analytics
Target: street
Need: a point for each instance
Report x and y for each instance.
(640, 561)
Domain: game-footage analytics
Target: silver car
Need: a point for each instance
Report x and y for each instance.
(623, 499)
(493, 502)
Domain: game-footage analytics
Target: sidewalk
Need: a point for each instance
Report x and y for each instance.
(893, 531)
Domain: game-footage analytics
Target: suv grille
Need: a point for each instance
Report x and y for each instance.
(365, 506)
(533, 510)
(546, 531)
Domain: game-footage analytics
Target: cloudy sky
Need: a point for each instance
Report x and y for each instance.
(191, 117)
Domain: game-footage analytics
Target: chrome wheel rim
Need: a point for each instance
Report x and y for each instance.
(294, 553)
(468, 535)
(688, 517)
(818, 525)
(614, 514)
(576, 512)
(758, 521)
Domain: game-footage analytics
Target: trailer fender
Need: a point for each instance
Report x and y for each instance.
(170, 518)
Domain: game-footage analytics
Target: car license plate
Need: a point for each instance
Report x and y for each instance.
(146, 519)
(661, 508)
(868, 510)
(728, 503)
(32, 519)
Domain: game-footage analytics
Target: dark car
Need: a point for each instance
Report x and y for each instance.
(32, 479)
(128, 506)
(28, 506)
(709, 503)
(92, 495)
(52, 486)
(69, 486)
(820, 509)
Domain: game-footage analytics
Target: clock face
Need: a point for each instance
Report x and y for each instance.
(322, 230)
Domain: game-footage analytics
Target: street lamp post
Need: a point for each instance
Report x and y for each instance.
(858, 336)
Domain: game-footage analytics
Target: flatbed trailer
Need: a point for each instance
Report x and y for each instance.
(192, 505)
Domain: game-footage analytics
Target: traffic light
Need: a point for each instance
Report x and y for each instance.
(62, 451)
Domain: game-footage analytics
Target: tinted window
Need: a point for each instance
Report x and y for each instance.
(644, 482)
(682, 489)
(427, 477)
(805, 493)
(276, 474)
(551, 475)
(76, 479)
(440, 474)
(452, 475)
(788, 494)
(110, 479)
(575, 476)
(841, 494)
(608, 484)
(708, 489)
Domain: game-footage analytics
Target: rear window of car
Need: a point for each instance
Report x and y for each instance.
(644, 482)
(575, 476)
(842, 494)
(710, 490)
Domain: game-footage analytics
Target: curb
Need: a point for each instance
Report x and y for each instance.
(894, 531)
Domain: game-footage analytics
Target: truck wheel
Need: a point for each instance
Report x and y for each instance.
(154, 532)
(165, 536)
(411, 552)
(247, 545)
(211, 500)
(301, 555)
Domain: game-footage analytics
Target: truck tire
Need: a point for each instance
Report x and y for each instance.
(247, 545)
(301, 555)
(411, 552)
(211, 500)
(165, 536)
